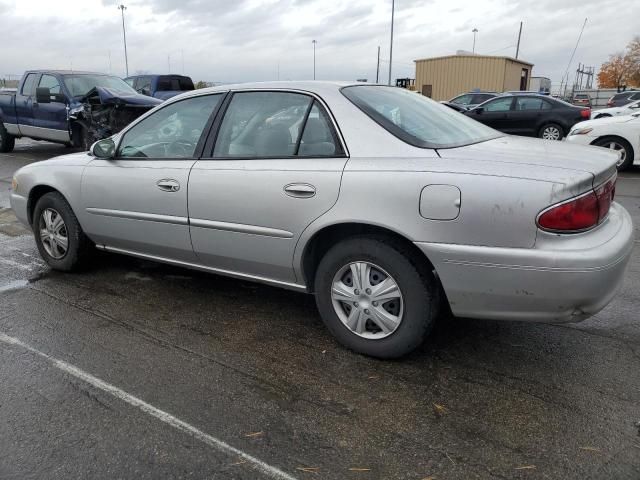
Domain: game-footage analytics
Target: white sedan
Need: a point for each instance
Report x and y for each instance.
(617, 133)
(616, 111)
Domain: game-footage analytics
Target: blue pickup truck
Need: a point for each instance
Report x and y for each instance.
(160, 86)
(73, 108)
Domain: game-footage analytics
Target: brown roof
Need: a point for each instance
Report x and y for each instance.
(475, 56)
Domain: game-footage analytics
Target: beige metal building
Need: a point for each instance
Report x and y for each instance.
(442, 78)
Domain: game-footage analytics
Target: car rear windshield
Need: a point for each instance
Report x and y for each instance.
(80, 84)
(416, 119)
(174, 84)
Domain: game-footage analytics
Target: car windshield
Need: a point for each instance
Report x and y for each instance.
(79, 85)
(416, 119)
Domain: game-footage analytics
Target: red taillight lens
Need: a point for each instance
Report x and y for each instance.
(586, 113)
(580, 213)
(610, 102)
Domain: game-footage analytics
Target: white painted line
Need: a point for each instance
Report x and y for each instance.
(259, 465)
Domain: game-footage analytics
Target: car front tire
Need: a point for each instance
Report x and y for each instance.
(59, 237)
(376, 297)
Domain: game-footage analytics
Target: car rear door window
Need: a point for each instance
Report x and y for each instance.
(262, 124)
(171, 132)
(499, 105)
(531, 103)
(318, 139)
(27, 86)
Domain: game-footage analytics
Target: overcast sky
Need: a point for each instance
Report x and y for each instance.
(246, 40)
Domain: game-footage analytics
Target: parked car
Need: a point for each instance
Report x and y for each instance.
(160, 86)
(582, 100)
(530, 115)
(74, 108)
(472, 99)
(627, 109)
(621, 134)
(623, 98)
(383, 203)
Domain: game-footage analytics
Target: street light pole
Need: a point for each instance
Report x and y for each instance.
(314, 58)
(393, 8)
(475, 30)
(124, 36)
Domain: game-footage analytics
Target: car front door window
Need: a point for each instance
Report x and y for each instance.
(171, 132)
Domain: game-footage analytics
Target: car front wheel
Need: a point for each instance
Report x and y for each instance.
(551, 131)
(59, 237)
(375, 297)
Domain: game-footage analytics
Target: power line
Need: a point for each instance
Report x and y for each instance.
(566, 73)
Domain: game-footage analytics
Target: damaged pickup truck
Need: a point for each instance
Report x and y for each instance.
(73, 108)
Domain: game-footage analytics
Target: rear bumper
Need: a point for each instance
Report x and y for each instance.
(564, 278)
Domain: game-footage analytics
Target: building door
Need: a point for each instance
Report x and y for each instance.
(427, 90)
(524, 79)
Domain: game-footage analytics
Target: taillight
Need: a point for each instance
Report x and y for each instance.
(610, 102)
(585, 113)
(581, 213)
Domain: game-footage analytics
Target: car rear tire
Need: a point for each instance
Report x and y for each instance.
(7, 141)
(59, 237)
(551, 131)
(375, 297)
(619, 145)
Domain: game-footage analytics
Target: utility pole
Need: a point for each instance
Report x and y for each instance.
(518, 46)
(109, 61)
(169, 62)
(182, 56)
(378, 66)
(475, 30)
(393, 9)
(124, 36)
(314, 58)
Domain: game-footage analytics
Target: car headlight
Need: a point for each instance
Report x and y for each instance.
(580, 131)
(14, 184)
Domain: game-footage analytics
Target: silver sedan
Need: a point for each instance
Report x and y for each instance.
(386, 205)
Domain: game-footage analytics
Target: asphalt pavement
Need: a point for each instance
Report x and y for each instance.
(139, 370)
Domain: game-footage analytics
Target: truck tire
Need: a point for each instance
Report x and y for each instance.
(7, 141)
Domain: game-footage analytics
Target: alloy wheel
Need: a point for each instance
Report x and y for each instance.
(551, 133)
(53, 233)
(367, 300)
(618, 148)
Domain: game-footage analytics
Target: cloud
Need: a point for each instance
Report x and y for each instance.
(246, 40)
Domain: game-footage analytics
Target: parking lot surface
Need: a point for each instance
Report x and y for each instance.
(139, 370)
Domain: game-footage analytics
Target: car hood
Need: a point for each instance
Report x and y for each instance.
(528, 153)
(607, 121)
(78, 159)
(110, 96)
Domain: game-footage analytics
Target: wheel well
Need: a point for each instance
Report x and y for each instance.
(323, 240)
(34, 195)
(617, 137)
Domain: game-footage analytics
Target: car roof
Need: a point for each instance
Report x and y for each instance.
(313, 86)
(69, 72)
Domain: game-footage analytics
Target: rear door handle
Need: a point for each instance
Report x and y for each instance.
(300, 190)
(168, 185)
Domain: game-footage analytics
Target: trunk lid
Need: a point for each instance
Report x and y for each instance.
(529, 153)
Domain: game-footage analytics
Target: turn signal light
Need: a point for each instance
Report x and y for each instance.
(581, 213)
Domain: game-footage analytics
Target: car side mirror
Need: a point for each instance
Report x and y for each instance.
(105, 149)
(478, 110)
(43, 95)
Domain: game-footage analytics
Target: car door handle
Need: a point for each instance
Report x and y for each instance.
(168, 185)
(300, 190)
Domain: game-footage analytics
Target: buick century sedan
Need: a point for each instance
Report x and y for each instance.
(387, 206)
